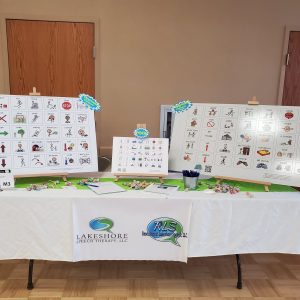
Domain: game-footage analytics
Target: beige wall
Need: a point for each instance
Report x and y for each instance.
(156, 52)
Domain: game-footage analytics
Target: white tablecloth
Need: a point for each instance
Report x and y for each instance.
(38, 225)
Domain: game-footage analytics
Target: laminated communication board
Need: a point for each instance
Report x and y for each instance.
(242, 141)
(41, 135)
(140, 157)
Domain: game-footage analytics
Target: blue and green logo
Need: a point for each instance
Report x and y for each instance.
(141, 133)
(165, 229)
(182, 106)
(89, 102)
(101, 224)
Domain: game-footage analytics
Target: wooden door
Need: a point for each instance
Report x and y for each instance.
(55, 57)
(291, 90)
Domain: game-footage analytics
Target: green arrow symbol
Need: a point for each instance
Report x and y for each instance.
(4, 133)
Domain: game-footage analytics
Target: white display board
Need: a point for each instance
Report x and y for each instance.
(242, 141)
(41, 135)
(134, 156)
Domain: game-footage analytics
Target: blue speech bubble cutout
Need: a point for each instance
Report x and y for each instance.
(182, 106)
(165, 230)
(89, 102)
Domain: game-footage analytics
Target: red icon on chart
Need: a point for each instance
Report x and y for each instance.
(210, 124)
(2, 148)
(289, 115)
(2, 105)
(3, 163)
(193, 123)
(66, 105)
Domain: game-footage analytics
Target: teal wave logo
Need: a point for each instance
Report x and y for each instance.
(165, 229)
(101, 224)
(182, 106)
(90, 102)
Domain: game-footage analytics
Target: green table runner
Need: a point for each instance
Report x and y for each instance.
(244, 186)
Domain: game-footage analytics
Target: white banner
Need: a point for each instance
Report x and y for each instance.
(143, 229)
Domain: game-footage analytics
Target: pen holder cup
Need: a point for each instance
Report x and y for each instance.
(190, 182)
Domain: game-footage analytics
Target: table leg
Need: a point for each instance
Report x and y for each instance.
(239, 284)
(30, 271)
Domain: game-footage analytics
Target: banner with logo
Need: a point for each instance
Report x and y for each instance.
(131, 229)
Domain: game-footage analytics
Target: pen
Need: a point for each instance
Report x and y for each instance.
(93, 185)
(88, 184)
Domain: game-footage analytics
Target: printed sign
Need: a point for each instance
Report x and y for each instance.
(89, 102)
(181, 106)
(6, 180)
(249, 142)
(137, 230)
(46, 135)
(141, 133)
(165, 230)
(135, 156)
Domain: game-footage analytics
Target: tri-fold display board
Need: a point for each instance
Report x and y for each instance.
(242, 141)
(46, 135)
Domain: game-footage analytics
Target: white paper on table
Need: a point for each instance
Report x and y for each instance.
(105, 188)
(161, 189)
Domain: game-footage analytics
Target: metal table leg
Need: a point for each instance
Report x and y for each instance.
(239, 284)
(30, 271)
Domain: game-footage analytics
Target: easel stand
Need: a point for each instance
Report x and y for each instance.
(265, 184)
(34, 92)
(64, 176)
(253, 101)
(147, 176)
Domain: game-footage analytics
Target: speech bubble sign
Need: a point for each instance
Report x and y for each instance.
(89, 102)
(182, 106)
(141, 133)
(165, 229)
(101, 224)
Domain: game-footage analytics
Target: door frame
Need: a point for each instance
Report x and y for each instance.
(285, 47)
(51, 18)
